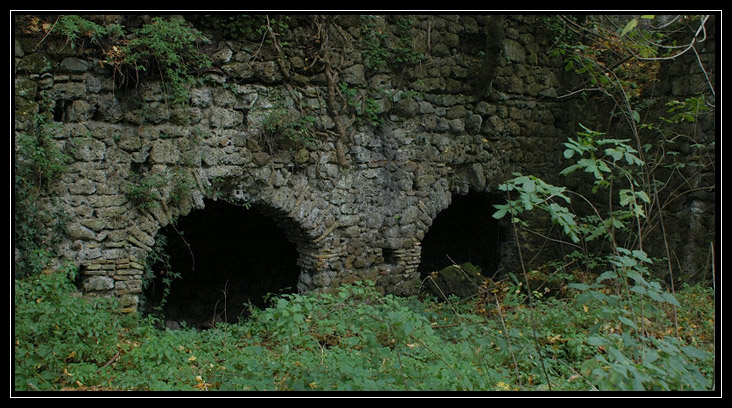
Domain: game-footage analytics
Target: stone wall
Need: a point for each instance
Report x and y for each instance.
(416, 134)
(690, 209)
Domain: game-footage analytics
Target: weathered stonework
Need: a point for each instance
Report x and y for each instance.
(362, 220)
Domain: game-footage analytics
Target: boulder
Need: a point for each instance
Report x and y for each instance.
(457, 280)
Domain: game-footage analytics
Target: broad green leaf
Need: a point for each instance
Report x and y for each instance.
(569, 170)
(639, 254)
(603, 167)
(579, 286)
(597, 341)
(633, 159)
(693, 352)
(619, 357)
(631, 25)
(500, 213)
(643, 196)
(626, 321)
(626, 197)
(607, 275)
(636, 116)
(650, 356)
(656, 296)
(639, 290)
(670, 298)
(614, 153)
(637, 277)
(529, 185)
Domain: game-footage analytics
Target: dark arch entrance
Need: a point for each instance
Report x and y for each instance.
(464, 232)
(227, 256)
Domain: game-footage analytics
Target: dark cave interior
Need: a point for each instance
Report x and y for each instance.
(464, 232)
(227, 257)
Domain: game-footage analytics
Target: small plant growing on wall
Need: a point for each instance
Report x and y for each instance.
(78, 30)
(382, 51)
(144, 193)
(168, 47)
(289, 127)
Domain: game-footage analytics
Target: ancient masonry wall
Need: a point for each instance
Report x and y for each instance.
(439, 133)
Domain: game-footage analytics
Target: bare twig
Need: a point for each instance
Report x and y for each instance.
(225, 292)
(443, 296)
(49, 31)
(531, 302)
(668, 256)
(112, 360)
(193, 258)
(508, 340)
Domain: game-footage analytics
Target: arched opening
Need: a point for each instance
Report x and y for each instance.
(464, 232)
(225, 257)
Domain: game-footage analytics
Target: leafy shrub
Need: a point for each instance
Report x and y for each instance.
(358, 339)
(60, 337)
(352, 339)
(645, 363)
(624, 293)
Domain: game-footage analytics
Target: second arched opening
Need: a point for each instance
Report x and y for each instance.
(464, 232)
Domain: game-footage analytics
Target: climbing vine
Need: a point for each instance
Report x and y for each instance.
(40, 163)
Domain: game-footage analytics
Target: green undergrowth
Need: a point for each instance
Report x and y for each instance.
(356, 339)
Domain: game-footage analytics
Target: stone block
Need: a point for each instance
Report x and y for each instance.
(76, 65)
(85, 149)
(164, 152)
(77, 231)
(98, 283)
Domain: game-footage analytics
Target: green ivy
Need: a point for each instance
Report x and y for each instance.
(377, 52)
(364, 105)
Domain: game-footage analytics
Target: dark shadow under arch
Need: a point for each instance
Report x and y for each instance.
(464, 232)
(227, 256)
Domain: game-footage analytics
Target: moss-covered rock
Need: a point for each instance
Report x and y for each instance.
(36, 63)
(459, 280)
